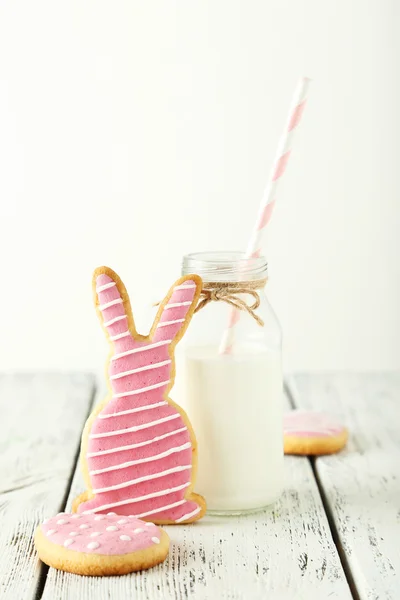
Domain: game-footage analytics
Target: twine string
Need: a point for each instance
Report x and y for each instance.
(230, 292)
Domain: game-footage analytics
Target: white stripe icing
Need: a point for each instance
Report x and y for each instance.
(141, 461)
(106, 286)
(132, 410)
(157, 510)
(125, 484)
(177, 304)
(111, 303)
(141, 349)
(140, 369)
(135, 428)
(165, 492)
(115, 320)
(138, 444)
(190, 286)
(166, 323)
(119, 336)
(140, 390)
(188, 515)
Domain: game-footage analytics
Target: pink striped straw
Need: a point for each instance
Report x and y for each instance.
(268, 200)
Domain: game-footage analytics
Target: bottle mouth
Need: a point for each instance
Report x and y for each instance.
(224, 266)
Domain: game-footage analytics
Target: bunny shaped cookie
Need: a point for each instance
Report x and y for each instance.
(139, 452)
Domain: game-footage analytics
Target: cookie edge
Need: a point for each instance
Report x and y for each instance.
(315, 446)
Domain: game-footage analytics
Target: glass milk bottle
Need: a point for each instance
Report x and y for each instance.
(234, 400)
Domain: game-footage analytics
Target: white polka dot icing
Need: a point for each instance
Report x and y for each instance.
(93, 545)
(107, 536)
(68, 542)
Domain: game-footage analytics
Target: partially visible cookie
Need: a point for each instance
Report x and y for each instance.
(100, 544)
(315, 433)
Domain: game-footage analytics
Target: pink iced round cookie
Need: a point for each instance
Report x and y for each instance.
(93, 544)
(308, 432)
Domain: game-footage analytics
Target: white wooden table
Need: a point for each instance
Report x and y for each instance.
(334, 534)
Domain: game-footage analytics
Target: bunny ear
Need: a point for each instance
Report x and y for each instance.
(112, 303)
(177, 309)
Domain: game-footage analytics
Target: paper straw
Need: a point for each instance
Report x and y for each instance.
(268, 200)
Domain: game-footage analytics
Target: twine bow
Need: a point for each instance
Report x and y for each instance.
(228, 291)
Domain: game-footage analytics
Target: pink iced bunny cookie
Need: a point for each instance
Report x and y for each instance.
(139, 451)
(100, 544)
(308, 432)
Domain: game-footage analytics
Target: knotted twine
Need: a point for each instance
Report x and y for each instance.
(229, 292)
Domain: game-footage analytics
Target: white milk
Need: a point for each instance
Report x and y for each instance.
(235, 406)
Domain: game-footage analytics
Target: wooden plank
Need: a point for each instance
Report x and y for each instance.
(40, 425)
(362, 483)
(285, 552)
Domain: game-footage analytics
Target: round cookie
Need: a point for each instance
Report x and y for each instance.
(312, 433)
(100, 544)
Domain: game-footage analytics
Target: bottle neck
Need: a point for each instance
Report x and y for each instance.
(224, 266)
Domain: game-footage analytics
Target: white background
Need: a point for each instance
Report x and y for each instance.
(133, 132)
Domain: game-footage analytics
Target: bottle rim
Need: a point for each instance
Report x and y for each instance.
(224, 266)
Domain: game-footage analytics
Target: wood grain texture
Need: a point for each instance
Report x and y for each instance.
(284, 553)
(362, 483)
(40, 425)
